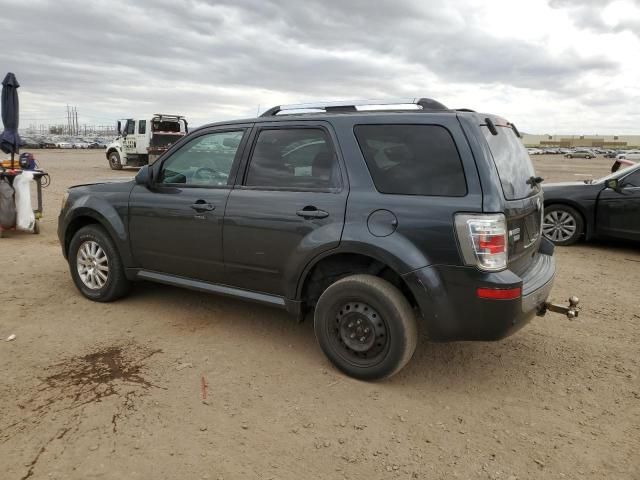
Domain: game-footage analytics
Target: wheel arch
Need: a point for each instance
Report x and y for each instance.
(110, 150)
(329, 267)
(111, 223)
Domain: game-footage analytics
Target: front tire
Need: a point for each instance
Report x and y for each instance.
(114, 161)
(562, 224)
(365, 327)
(96, 267)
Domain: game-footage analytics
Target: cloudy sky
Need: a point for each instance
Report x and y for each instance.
(550, 66)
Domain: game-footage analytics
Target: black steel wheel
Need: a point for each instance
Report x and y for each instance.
(114, 161)
(366, 327)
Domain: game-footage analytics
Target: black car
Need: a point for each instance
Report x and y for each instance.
(608, 207)
(381, 222)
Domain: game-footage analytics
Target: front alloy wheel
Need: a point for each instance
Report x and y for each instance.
(95, 265)
(92, 264)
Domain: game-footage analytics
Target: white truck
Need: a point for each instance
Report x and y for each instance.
(141, 141)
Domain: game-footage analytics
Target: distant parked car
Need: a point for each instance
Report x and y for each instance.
(629, 155)
(580, 154)
(535, 151)
(607, 207)
(611, 154)
(28, 142)
(63, 144)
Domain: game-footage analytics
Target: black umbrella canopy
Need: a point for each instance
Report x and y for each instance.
(10, 140)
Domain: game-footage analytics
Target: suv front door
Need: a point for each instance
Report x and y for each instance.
(289, 207)
(176, 226)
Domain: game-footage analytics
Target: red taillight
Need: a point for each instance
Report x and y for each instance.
(483, 240)
(498, 293)
(491, 244)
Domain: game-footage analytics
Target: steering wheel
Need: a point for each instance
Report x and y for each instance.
(208, 174)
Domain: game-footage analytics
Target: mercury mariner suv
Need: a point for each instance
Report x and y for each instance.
(381, 218)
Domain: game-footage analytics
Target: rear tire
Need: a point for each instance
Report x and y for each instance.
(562, 224)
(365, 327)
(114, 161)
(96, 267)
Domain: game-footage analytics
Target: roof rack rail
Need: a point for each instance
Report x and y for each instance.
(350, 105)
(167, 115)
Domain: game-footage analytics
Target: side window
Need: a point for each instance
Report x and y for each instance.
(206, 160)
(632, 180)
(293, 158)
(412, 159)
(142, 127)
(131, 127)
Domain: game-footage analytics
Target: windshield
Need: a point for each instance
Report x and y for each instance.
(619, 173)
(512, 162)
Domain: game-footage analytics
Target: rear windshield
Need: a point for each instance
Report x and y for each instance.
(512, 162)
(164, 126)
(412, 159)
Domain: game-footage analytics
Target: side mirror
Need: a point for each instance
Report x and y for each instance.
(613, 184)
(145, 176)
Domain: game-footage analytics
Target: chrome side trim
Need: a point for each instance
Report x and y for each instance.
(210, 287)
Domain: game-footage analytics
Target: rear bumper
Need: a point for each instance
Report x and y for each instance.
(452, 311)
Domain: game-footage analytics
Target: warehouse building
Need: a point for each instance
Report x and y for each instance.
(570, 141)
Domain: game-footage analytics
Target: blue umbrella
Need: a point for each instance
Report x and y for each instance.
(10, 140)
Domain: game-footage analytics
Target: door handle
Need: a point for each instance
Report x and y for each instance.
(202, 206)
(312, 212)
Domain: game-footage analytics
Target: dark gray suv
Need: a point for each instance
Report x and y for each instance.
(383, 218)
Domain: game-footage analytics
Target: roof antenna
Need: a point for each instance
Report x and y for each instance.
(258, 110)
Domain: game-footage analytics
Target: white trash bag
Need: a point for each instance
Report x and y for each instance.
(7, 206)
(25, 218)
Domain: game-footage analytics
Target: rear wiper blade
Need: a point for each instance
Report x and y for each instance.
(533, 181)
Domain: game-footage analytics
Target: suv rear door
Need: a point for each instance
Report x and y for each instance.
(523, 205)
(288, 207)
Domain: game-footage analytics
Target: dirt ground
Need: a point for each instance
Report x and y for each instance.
(117, 391)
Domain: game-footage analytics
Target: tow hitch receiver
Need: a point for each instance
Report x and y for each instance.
(571, 311)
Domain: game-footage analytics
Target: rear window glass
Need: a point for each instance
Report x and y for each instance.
(512, 162)
(412, 159)
(164, 126)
